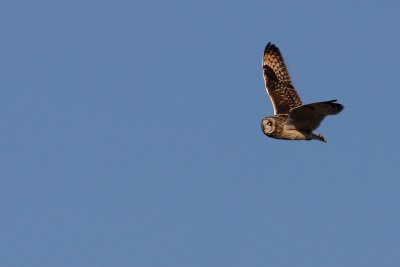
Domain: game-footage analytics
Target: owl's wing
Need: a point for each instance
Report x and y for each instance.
(309, 117)
(277, 81)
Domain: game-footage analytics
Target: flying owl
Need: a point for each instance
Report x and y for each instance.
(292, 120)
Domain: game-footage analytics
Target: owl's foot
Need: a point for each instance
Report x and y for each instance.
(319, 137)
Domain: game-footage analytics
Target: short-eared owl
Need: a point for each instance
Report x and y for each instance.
(292, 120)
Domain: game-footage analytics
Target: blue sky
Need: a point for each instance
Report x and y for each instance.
(130, 134)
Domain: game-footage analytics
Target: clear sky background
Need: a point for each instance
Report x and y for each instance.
(130, 134)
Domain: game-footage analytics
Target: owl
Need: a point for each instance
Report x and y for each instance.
(292, 120)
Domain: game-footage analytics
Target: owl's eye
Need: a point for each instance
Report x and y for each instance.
(269, 123)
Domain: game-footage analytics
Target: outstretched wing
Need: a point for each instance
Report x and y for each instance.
(309, 117)
(277, 81)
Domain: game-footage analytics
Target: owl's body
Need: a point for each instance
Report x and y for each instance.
(279, 132)
(292, 120)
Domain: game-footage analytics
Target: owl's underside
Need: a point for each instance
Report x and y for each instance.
(292, 120)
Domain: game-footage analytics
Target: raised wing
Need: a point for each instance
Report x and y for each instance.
(277, 81)
(309, 117)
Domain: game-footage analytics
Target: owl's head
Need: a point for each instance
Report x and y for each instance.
(268, 125)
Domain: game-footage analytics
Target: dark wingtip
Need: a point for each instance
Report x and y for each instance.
(338, 107)
(268, 47)
(341, 107)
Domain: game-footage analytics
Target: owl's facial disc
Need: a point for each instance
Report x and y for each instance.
(268, 125)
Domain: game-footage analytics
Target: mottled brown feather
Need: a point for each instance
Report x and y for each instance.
(277, 81)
